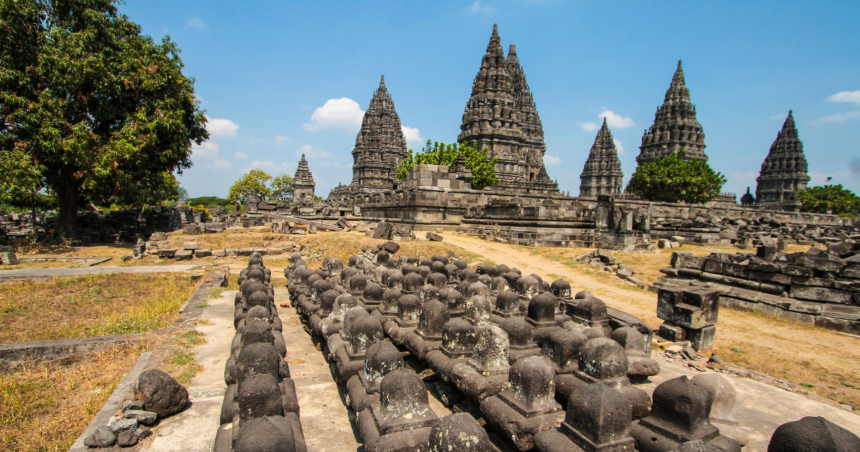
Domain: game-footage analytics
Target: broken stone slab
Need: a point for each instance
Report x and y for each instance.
(433, 237)
(183, 255)
(103, 437)
(147, 418)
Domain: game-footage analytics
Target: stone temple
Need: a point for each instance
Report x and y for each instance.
(602, 174)
(675, 126)
(379, 146)
(501, 115)
(303, 183)
(784, 171)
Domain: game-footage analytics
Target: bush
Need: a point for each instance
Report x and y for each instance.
(673, 179)
(829, 199)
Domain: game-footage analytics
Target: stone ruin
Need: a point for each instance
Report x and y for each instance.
(817, 287)
(545, 369)
(260, 411)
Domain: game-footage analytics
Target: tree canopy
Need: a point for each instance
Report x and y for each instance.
(252, 183)
(282, 188)
(90, 108)
(829, 199)
(478, 161)
(674, 179)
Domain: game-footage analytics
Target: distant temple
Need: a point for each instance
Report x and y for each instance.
(303, 183)
(784, 171)
(675, 126)
(602, 173)
(501, 115)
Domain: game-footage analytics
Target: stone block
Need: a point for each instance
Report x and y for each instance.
(792, 270)
(713, 265)
(702, 339)
(219, 253)
(203, 253)
(694, 262)
(740, 305)
(166, 254)
(832, 323)
(806, 319)
(841, 312)
(671, 332)
(766, 252)
(822, 294)
(183, 255)
(246, 251)
(777, 278)
(434, 237)
(735, 269)
(231, 252)
(678, 258)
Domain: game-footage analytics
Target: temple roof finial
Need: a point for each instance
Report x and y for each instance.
(382, 81)
(512, 50)
(680, 68)
(495, 29)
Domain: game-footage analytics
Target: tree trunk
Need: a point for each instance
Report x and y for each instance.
(67, 198)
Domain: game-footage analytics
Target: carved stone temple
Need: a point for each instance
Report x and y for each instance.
(602, 173)
(784, 171)
(675, 126)
(303, 183)
(379, 147)
(501, 115)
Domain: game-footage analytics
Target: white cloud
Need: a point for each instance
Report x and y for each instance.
(343, 113)
(838, 117)
(207, 151)
(271, 167)
(478, 8)
(777, 117)
(195, 22)
(588, 126)
(221, 127)
(280, 139)
(220, 164)
(846, 96)
(240, 156)
(615, 120)
(551, 160)
(412, 135)
(309, 152)
(618, 146)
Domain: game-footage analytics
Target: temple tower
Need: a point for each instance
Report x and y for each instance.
(379, 146)
(602, 173)
(303, 183)
(501, 115)
(784, 171)
(675, 126)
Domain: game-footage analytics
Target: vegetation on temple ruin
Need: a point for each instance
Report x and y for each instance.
(831, 199)
(282, 188)
(675, 179)
(92, 110)
(477, 161)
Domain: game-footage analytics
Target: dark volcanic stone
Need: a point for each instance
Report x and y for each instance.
(812, 434)
(266, 434)
(259, 395)
(102, 437)
(459, 432)
(160, 393)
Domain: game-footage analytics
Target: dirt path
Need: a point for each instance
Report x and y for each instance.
(814, 357)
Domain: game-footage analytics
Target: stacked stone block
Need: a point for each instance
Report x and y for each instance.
(260, 409)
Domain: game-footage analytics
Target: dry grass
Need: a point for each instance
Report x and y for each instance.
(180, 363)
(91, 305)
(45, 406)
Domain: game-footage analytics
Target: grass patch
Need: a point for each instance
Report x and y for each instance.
(180, 363)
(45, 406)
(91, 305)
(201, 306)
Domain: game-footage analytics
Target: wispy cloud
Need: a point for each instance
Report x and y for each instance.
(846, 96)
(219, 164)
(220, 127)
(240, 156)
(777, 116)
(343, 113)
(280, 139)
(588, 126)
(309, 152)
(551, 159)
(479, 8)
(271, 167)
(618, 146)
(615, 120)
(206, 151)
(195, 22)
(412, 135)
(838, 117)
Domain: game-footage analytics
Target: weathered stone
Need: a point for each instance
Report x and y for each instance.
(102, 437)
(161, 394)
(143, 417)
(459, 432)
(812, 434)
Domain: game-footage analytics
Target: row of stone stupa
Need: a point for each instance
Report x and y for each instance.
(501, 115)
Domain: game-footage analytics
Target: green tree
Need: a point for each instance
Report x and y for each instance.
(181, 194)
(254, 182)
(674, 179)
(829, 199)
(478, 161)
(104, 113)
(282, 188)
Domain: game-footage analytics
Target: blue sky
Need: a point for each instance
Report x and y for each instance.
(279, 79)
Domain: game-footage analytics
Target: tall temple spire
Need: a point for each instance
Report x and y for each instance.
(602, 173)
(379, 146)
(784, 171)
(675, 126)
(303, 183)
(501, 116)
